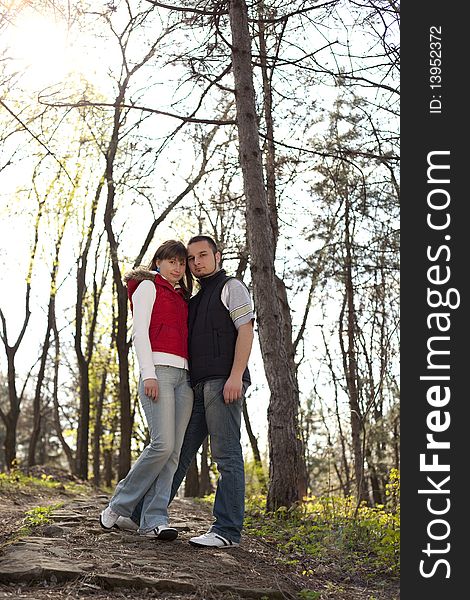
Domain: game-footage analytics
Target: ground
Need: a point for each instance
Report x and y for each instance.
(74, 558)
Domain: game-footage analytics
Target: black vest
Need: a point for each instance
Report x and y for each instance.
(212, 334)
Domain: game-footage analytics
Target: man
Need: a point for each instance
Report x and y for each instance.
(220, 339)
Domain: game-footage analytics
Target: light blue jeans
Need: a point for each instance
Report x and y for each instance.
(150, 478)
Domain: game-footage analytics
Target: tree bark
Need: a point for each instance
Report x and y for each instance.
(346, 486)
(350, 362)
(84, 355)
(269, 121)
(255, 449)
(284, 402)
(122, 344)
(191, 481)
(63, 442)
(108, 467)
(10, 418)
(37, 408)
(36, 432)
(98, 430)
(205, 485)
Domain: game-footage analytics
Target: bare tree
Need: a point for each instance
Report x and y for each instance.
(37, 408)
(285, 464)
(10, 418)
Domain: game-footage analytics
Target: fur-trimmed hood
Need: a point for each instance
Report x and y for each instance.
(139, 274)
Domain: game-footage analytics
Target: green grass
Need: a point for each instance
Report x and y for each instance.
(20, 485)
(332, 534)
(16, 480)
(330, 530)
(309, 595)
(37, 517)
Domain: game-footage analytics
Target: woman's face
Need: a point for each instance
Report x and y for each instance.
(172, 269)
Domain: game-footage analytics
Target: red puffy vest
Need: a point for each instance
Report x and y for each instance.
(168, 330)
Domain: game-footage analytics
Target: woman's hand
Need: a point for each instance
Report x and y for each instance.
(151, 388)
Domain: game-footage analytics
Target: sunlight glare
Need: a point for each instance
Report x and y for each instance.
(43, 48)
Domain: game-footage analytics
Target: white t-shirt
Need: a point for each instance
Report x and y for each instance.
(236, 299)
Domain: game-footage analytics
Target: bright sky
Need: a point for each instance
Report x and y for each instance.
(48, 51)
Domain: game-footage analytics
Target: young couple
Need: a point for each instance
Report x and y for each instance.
(193, 354)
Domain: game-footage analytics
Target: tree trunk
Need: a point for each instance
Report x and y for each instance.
(270, 169)
(255, 449)
(396, 442)
(36, 432)
(124, 388)
(65, 447)
(350, 364)
(83, 427)
(205, 485)
(11, 422)
(108, 467)
(122, 345)
(191, 481)
(268, 117)
(10, 418)
(375, 484)
(346, 486)
(284, 402)
(98, 430)
(2, 454)
(84, 356)
(37, 408)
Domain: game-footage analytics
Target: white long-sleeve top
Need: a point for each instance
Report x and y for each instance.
(143, 300)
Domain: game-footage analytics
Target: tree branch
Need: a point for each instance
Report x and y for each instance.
(114, 105)
(35, 137)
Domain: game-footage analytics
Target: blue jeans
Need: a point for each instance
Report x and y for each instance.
(150, 478)
(222, 422)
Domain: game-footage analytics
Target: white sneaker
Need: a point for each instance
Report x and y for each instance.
(108, 518)
(162, 532)
(126, 524)
(212, 539)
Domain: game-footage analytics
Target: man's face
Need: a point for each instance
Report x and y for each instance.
(201, 259)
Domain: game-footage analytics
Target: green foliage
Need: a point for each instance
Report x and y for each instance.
(16, 480)
(358, 539)
(309, 595)
(208, 499)
(255, 478)
(393, 491)
(40, 515)
(36, 517)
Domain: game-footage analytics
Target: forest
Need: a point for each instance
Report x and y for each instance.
(272, 127)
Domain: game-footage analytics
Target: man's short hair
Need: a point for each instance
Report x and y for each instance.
(204, 238)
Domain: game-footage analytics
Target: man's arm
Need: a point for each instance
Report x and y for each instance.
(234, 384)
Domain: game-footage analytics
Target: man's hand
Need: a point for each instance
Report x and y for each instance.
(233, 389)
(151, 388)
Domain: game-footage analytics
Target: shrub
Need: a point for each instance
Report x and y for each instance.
(359, 538)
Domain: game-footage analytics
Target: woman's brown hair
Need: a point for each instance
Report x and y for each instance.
(174, 249)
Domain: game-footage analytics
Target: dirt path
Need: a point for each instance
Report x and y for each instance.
(74, 558)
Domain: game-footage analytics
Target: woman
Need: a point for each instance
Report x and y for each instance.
(158, 297)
